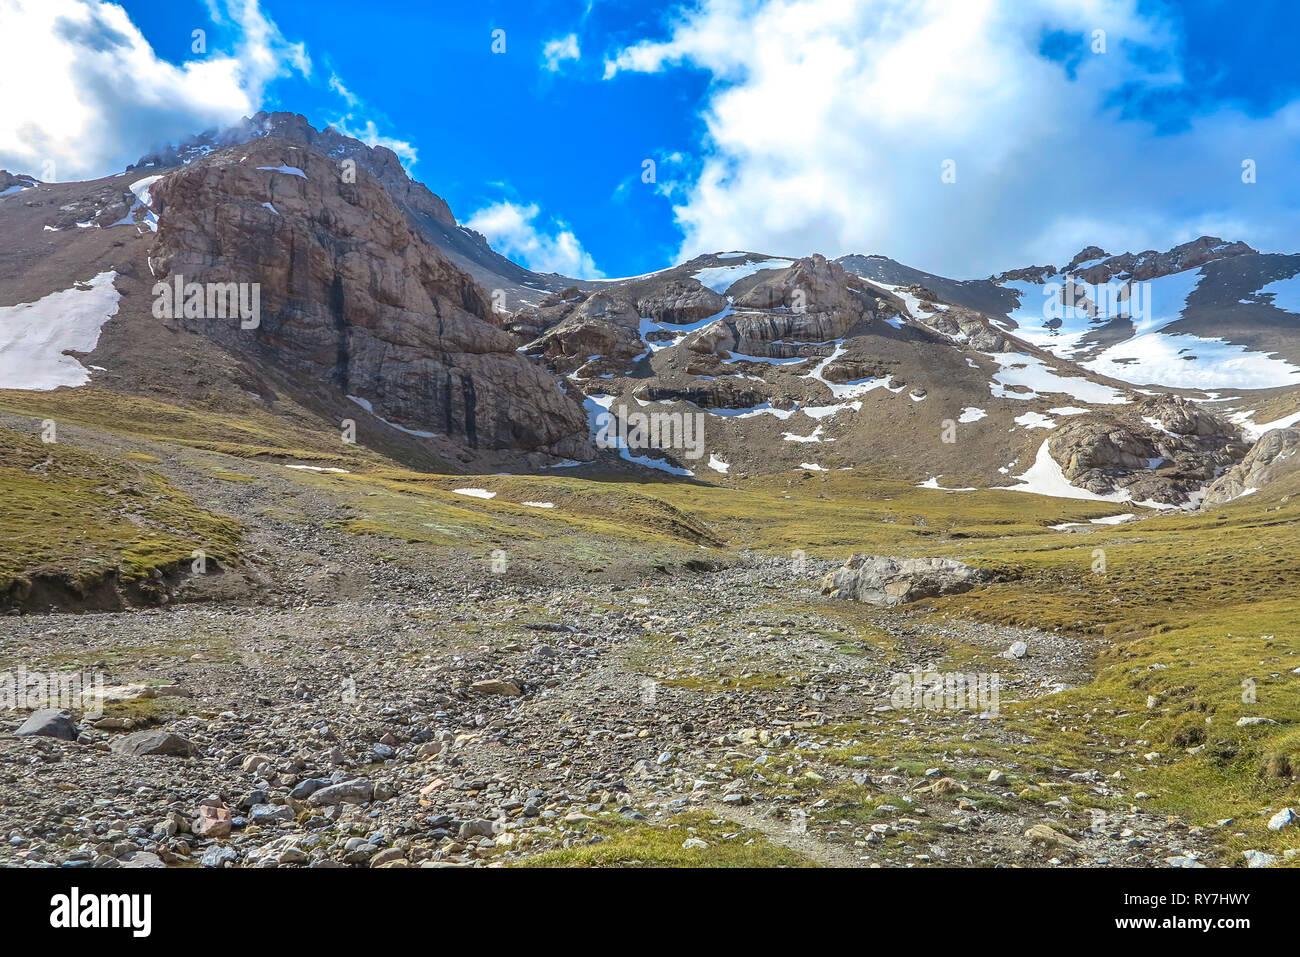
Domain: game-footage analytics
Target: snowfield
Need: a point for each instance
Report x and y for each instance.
(721, 278)
(291, 170)
(1150, 355)
(35, 335)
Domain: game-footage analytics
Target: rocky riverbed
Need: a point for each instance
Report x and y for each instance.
(480, 722)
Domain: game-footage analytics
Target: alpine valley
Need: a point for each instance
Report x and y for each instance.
(391, 552)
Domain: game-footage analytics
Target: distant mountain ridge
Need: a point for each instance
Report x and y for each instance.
(378, 304)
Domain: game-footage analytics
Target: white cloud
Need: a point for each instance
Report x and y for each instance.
(86, 92)
(350, 98)
(828, 122)
(511, 229)
(560, 49)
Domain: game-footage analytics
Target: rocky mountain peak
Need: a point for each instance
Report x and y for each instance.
(1150, 264)
(1087, 254)
(379, 161)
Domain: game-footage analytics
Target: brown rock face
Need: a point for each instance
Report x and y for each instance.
(710, 394)
(597, 334)
(351, 297)
(681, 301)
(380, 162)
(791, 312)
(813, 285)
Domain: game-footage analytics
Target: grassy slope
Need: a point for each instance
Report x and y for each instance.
(622, 843)
(73, 516)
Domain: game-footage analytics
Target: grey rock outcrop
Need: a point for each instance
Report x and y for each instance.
(1162, 449)
(879, 580)
(970, 327)
(1273, 456)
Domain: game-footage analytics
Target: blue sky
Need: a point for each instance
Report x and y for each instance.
(784, 126)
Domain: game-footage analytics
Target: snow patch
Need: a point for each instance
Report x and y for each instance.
(291, 170)
(1045, 477)
(35, 335)
(1035, 420)
(721, 278)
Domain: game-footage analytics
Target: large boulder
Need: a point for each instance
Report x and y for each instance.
(49, 723)
(879, 580)
(165, 743)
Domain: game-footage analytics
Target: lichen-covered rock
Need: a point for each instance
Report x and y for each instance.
(879, 580)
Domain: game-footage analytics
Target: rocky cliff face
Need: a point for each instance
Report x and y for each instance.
(1273, 456)
(294, 129)
(594, 334)
(352, 297)
(1162, 449)
(785, 313)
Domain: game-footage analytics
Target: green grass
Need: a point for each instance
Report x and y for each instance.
(77, 516)
(643, 844)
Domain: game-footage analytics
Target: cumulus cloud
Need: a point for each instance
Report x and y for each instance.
(829, 123)
(511, 229)
(87, 94)
(556, 51)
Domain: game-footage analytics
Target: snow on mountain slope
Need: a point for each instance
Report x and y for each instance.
(1150, 355)
(1147, 320)
(722, 278)
(34, 336)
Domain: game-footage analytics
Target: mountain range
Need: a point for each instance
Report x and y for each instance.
(1145, 377)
